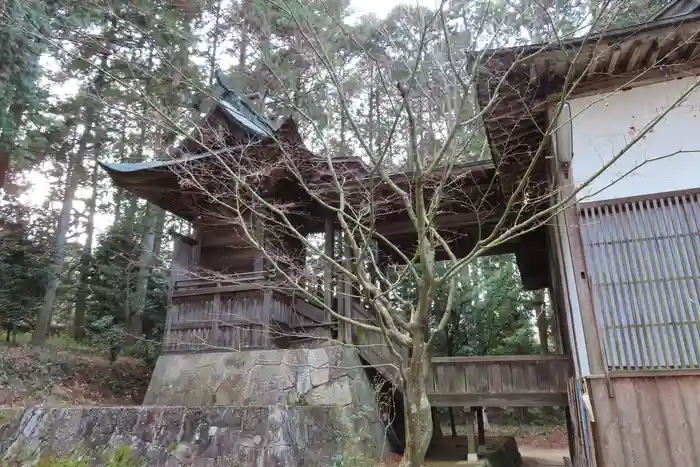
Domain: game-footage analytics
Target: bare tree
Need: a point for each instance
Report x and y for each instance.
(409, 218)
(444, 203)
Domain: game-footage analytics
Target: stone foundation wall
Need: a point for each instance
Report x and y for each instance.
(320, 376)
(279, 436)
(257, 408)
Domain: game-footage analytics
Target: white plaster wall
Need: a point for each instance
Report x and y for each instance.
(604, 124)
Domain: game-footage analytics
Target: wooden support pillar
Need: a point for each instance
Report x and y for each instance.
(570, 432)
(265, 317)
(197, 248)
(259, 232)
(481, 429)
(328, 249)
(345, 289)
(557, 335)
(216, 317)
(472, 451)
(346, 334)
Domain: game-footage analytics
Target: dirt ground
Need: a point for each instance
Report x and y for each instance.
(532, 436)
(542, 457)
(51, 376)
(540, 446)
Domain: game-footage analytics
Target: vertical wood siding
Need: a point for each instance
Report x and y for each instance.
(206, 315)
(499, 381)
(643, 259)
(650, 422)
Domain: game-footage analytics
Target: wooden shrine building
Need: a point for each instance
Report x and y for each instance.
(230, 179)
(610, 122)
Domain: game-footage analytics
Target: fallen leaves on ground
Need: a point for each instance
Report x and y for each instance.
(47, 376)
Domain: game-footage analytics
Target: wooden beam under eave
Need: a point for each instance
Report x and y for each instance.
(398, 228)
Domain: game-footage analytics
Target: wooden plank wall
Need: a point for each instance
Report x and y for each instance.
(643, 258)
(649, 421)
(245, 313)
(216, 321)
(500, 381)
(492, 381)
(578, 426)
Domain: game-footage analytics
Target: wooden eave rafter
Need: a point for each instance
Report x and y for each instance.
(516, 121)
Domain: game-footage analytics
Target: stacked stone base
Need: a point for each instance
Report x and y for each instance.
(183, 436)
(307, 407)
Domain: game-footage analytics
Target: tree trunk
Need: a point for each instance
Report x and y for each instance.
(118, 199)
(45, 313)
(82, 293)
(158, 242)
(214, 47)
(450, 353)
(417, 410)
(542, 322)
(120, 193)
(7, 141)
(245, 36)
(135, 323)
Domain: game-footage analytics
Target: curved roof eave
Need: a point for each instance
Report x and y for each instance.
(129, 167)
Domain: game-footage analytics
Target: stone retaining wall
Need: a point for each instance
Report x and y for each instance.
(279, 436)
(319, 376)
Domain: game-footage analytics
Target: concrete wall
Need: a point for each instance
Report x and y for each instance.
(604, 124)
(279, 436)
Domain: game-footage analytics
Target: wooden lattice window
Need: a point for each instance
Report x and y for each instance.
(643, 261)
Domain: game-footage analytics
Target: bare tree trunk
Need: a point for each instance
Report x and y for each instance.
(118, 199)
(120, 194)
(450, 352)
(417, 410)
(81, 294)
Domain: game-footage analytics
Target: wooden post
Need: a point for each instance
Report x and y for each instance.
(197, 249)
(542, 322)
(265, 316)
(480, 427)
(216, 316)
(328, 249)
(259, 232)
(472, 451)
(182, 261)
(344, 329)
(570, 432)
(574, 250)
